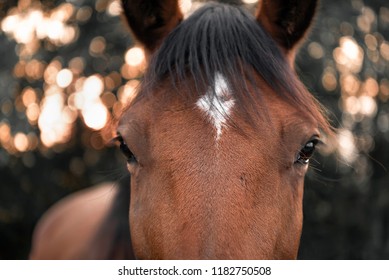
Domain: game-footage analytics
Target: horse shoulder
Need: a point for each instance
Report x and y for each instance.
(66, 230)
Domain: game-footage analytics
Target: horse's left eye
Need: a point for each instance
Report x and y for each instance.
(306, 152)
(125, 150)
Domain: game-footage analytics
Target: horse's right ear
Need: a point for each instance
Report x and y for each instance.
(152, 20)
(287, 21)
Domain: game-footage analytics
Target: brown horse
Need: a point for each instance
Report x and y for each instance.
(217, 142)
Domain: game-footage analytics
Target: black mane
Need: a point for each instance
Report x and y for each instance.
(225, 39)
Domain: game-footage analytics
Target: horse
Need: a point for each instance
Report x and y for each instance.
(217, 141)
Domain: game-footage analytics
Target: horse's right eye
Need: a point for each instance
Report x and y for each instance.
(125, 150)
(306, 152)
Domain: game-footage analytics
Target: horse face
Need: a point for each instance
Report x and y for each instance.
(210, 177)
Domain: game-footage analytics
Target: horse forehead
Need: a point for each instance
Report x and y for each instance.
(216, 108)
(217, 103)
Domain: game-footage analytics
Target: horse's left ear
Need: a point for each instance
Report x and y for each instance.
(287, 21)
(152, 20)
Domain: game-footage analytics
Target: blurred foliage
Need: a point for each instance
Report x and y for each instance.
(67, 68)
(346, 63)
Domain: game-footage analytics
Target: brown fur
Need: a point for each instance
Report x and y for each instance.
(238, 198)
(193, 197)
(65, 231)
(241, 198)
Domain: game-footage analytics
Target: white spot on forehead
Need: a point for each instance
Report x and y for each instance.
(217, 103)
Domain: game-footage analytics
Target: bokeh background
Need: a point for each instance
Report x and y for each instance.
(68, 67)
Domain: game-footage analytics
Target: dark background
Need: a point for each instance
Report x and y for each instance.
(345, 63)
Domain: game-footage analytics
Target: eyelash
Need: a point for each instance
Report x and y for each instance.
(125, 149)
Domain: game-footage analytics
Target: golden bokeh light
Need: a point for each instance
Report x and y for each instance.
(5, 133)
(315, 50)
(384, 90)
(366, 20)
(368, 106)
(29, 96)
(350, 84)
(32, 113)
(54, 30)
(52, 120)
(19, 69)
(371, 42)
(351, 105)
(63, 12)
(34, 69)
(77, 65)
(33, 141)
(135, 56)
(349, 55)
(128, 92)
(114, 8)
(109, 99)
(84, 14)
(51, 72)
(129, 72)
(33, 24)
(109, 83)
(69, 115)
(97, 46)
(21, 142)
(249, 1)
(329, 81)
(346, 145)
(93, 86)
(9, 23)
(371, 87)
(95, 115)
(185, 6)
(384, 50)
(88, 101)
(64, 78)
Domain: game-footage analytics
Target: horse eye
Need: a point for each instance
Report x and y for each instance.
(125, 150)
(306, 152)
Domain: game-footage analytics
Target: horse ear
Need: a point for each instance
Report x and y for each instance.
(287, 21)
(152, 20)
